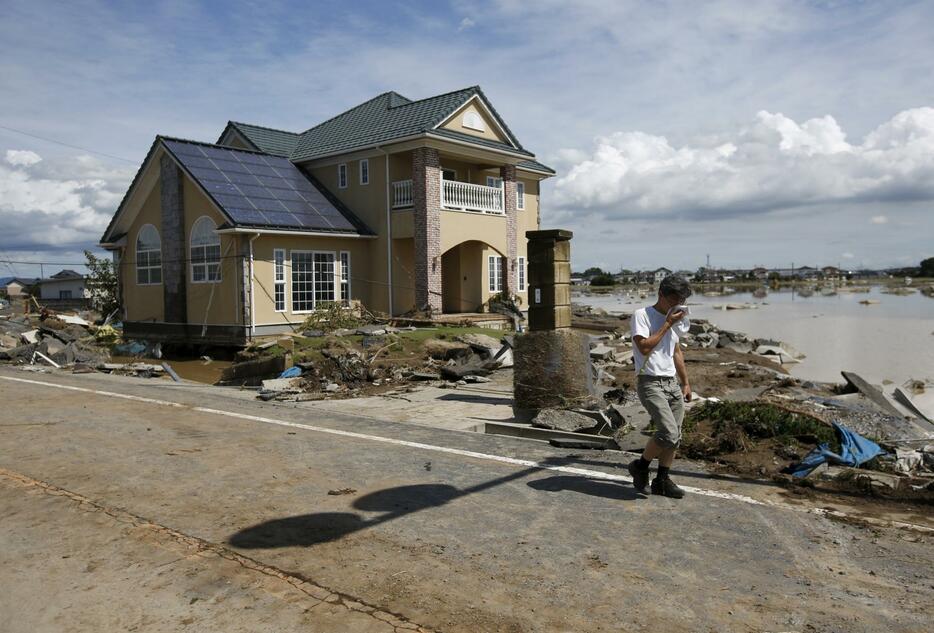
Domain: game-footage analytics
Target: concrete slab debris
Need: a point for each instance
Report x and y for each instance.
(874, 394)
(602, 352)
(564, 420)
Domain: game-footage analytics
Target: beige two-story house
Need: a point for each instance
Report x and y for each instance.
(401, 205)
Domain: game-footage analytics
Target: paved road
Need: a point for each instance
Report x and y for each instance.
(195, 508)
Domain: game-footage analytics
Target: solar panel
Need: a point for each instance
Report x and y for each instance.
(259, 190)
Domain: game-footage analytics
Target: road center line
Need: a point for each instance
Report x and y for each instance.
(582, 472)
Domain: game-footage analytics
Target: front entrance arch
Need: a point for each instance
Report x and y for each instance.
(465, 276)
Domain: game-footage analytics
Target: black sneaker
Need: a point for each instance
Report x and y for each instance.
(667, 488)
(640, 475)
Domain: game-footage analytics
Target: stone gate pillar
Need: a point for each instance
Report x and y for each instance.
(549, 279)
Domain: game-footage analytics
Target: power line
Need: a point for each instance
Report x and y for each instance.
(62, 143)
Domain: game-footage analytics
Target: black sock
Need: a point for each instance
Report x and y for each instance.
(663, 472)
(644, 463)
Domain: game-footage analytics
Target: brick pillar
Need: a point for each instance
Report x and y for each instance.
(246, 283)
(174, 243)
(508, 174)
(426, 193)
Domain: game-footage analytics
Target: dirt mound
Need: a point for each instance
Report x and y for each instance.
(752, 438)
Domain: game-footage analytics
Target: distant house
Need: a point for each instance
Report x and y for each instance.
(660, 273)
(807, 272)
(19, 286)
(831, 273)
(579, 281)
(760, 273)
(63, 285)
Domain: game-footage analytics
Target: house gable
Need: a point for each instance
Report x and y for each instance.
(474, 119)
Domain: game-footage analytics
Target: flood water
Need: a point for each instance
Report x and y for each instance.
(892, 340)
(187, 368)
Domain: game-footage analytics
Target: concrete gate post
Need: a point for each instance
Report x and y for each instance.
(552, 362)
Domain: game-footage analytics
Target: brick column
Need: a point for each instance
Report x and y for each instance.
(174, 244)
(426, 193)
(245, 282)
(508, 174)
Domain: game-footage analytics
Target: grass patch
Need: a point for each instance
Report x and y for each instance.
(735, 426)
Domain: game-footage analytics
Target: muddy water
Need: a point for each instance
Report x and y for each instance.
(187, 369)
(892, 340)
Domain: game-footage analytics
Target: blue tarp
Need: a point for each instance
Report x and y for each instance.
(854, 450)
(291, 372)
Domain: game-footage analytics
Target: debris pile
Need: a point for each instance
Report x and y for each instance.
(50, 339)
(367, 360)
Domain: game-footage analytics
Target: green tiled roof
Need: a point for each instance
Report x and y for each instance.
(536, 166)
(266, 139)
(384, 118)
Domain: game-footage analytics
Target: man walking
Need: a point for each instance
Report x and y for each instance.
(656, 331)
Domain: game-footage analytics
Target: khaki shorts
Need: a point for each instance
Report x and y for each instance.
(662, 398)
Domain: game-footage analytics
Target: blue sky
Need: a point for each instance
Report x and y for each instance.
(758, 132)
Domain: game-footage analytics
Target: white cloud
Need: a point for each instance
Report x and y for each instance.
(848, 256)
(56, 203)
(18, 157)
(465, 24)
(880, 219)
(773, 164)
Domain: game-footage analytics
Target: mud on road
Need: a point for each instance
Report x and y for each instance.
(431, 539)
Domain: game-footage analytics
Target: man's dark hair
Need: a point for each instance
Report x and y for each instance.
(675, 285)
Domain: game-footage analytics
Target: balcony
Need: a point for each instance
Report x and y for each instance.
(456, 196)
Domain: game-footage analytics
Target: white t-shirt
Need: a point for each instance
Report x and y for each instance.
(646, 322)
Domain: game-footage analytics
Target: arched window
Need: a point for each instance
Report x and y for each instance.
(148, 256)
(474, 121)
(205, 251)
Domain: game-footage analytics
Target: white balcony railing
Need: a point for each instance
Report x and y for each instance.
(460, 196)
(402, 194)
(464, 196)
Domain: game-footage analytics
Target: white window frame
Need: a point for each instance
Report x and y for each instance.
(148, 267)
(495, 273)
(344, 298)
(448, 170)
(335, 278)
(520, 195)
(520, 275)
(279, 279)
(365, 171)
(472, 120)
(191, 256)
(493, 181)
(342, 176)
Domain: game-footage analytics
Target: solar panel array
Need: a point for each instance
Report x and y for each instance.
(258, 189)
